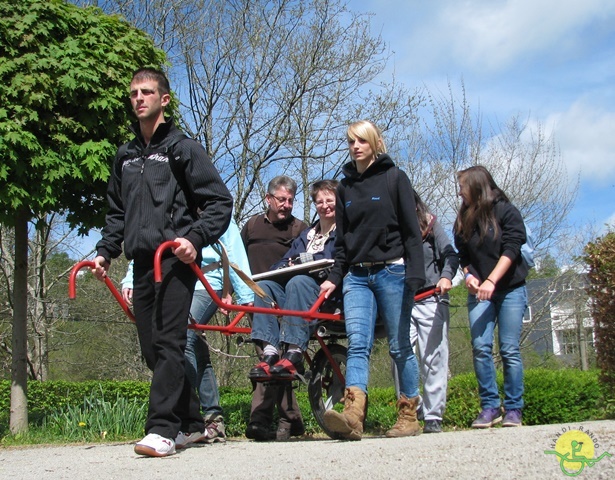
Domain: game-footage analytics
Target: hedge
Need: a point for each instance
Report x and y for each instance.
(551, 396)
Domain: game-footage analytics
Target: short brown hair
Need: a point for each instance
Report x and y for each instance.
(153, 74)
(320, 185)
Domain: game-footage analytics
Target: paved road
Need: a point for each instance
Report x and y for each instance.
(508, 453)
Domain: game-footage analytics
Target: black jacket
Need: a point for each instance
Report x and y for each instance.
(482, 257)
(147, 206)
(370, 228)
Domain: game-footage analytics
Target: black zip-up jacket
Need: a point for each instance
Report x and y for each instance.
(481, 257)
(148, 207)
(370, 228)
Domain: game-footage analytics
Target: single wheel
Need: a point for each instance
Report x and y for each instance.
(325, 388)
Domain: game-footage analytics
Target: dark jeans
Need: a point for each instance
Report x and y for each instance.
(161, 312)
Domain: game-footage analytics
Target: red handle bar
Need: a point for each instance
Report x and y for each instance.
(72, 286)
(311, 314)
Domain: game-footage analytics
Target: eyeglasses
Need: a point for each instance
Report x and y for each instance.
(283, 200)
(322, 203)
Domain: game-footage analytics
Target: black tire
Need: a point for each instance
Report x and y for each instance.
(325, 389)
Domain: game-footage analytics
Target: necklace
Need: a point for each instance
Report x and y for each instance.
(317, 240)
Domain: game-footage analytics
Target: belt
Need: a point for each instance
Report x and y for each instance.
(395, 261)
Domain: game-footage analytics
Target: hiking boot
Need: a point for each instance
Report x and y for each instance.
(488, 417)
(432, 426)
(184, 439)
(215, 430)
(349, 424)
(261, 369)
(259, 433)
(512, 418)
(289, 365)
(154, 445)
(284, 431)
(407, 424)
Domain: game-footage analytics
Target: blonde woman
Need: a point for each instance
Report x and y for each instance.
(379, 255)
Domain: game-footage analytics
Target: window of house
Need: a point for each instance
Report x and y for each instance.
(569, 342)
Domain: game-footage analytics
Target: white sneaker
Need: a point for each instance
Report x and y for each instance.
(154, 445)
(183, 439)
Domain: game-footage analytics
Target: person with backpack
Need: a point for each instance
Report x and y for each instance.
(430, 319)
(163, 187)
(489, 232)
(379, 256)
(267, 237)
(199, 369)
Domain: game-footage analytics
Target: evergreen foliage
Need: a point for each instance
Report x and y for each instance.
(64, 74)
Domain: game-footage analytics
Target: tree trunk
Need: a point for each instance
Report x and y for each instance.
(582, 339)
(19, 372)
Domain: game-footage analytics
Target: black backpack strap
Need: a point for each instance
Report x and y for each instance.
(177, 173)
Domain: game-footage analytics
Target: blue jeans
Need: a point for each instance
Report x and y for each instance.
(300, 293)
(505, 308)
(199, 370)
(375, 292)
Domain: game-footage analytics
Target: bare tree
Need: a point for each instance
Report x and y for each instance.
(525, 162)
(270, 86)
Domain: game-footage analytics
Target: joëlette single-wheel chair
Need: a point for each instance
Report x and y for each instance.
(324, 375)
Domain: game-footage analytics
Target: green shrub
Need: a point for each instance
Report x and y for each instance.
(47, 397)
(551, 396)
(98, 418)
(561, 396)
(118, 408)
(462, 401)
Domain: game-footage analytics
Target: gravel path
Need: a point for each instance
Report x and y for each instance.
(495, 453)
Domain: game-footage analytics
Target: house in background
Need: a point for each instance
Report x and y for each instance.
(558, 319)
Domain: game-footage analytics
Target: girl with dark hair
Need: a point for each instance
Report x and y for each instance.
(489, 233)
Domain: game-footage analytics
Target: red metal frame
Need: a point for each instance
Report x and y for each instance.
(72, 286)
(232, 327)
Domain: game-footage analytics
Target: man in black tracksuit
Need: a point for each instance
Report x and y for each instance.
(163, 187)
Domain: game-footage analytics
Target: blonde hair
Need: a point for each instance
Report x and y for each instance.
(366, 130)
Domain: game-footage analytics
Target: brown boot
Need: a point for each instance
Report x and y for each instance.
(407, 425)
(349, 424)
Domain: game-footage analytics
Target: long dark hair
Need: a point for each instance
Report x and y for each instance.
(423, 214)
(477, 211)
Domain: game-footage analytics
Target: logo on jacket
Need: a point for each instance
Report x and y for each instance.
(375, 199)
(158, 157)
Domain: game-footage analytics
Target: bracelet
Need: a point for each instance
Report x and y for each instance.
(489, 280)
(467, 275)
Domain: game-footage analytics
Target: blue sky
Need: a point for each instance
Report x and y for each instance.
(551, 60)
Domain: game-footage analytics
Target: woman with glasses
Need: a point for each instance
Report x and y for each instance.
(284, 341)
